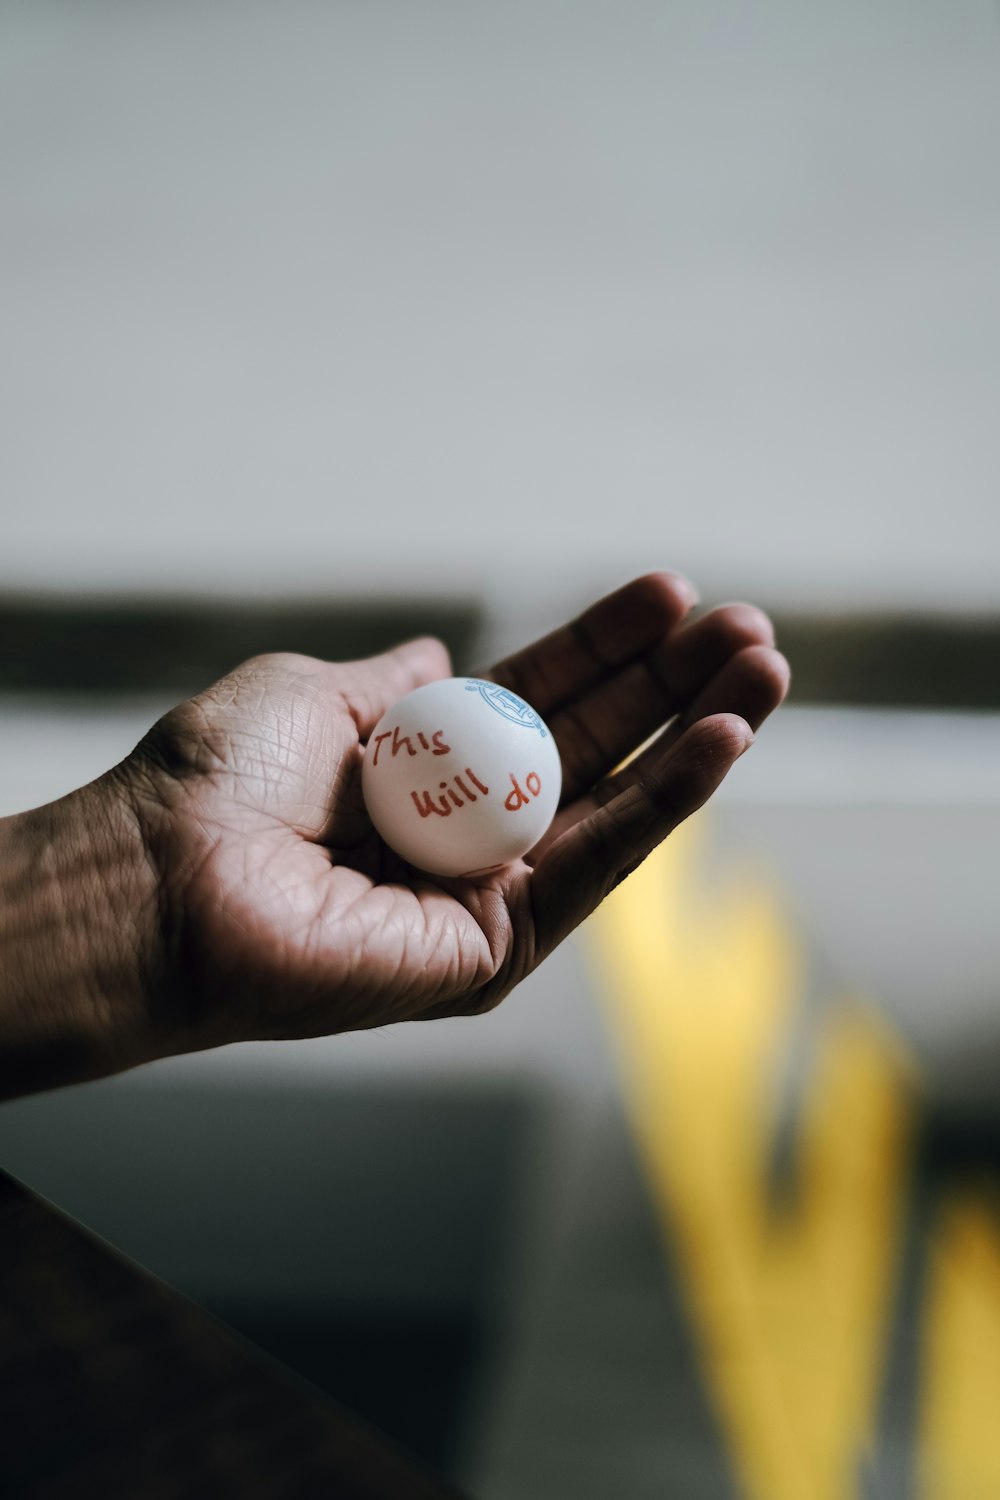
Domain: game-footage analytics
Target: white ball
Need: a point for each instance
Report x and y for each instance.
(461, 777)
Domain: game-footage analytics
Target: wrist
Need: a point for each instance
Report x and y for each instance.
(78, 906)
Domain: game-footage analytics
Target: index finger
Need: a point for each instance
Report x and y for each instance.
(605, 637)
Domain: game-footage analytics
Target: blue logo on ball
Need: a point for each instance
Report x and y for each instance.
(504, 702)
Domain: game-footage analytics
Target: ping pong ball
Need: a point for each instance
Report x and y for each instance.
(461, 776)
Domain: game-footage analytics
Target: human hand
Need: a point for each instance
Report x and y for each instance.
(268, 906)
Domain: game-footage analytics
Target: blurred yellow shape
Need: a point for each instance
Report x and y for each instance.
(960, 1396)
(789, 1298)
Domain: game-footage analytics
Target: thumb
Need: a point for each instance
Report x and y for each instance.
(375, 683)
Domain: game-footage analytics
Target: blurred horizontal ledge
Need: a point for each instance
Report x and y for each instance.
(893, 660)
(65, 645)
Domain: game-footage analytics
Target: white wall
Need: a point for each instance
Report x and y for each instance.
(520, 296)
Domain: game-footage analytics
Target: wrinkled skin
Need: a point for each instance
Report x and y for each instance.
(280, 911)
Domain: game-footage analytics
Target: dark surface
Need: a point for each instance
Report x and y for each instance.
(412, 1377)
(113, 1385)
(59, 644)
(359, 1232)
(893, 660)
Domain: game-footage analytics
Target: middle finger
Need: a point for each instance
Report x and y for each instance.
(609, 722)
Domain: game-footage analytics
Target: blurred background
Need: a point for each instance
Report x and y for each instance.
(324, 324)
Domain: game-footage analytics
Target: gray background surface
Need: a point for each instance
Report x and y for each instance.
(355, 295)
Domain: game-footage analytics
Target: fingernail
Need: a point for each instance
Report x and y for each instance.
(694, 597)
(749, 741)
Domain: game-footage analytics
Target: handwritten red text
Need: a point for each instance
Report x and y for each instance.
(435, 744)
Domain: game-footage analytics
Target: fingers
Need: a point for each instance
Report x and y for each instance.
(577, 871)
(752, 683)
(373, 685)
(607, 723)
(751, 686)
(617, 629)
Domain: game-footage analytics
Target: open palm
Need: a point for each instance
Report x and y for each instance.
(284, 914)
